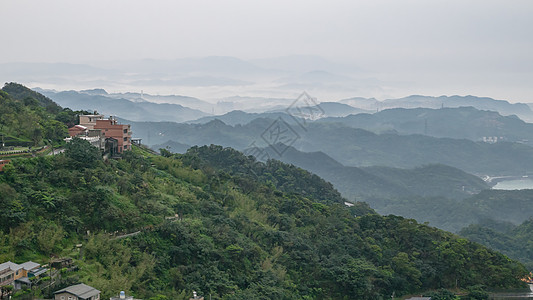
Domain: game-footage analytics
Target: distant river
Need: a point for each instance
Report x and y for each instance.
(519, 184)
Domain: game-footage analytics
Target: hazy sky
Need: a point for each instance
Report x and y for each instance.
(420, 40)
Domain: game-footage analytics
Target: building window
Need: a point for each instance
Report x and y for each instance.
(125, 131)
(62, 297)
(125, 147)
(125, 139)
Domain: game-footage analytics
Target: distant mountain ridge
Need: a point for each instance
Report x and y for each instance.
(137, 111)
(351, 146)
(366, 184)
(462, 122)
(239, 117)
(418, 101)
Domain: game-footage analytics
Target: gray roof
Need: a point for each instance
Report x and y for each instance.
(11, 265)
(38, 271)
(29, 265)
(25, 280)
(81, 290)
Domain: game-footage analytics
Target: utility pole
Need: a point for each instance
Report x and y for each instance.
(51, 145)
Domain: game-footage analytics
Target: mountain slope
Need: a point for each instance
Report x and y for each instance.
(367, 184)
(351, 146)
(18, 91)
(514, 241)
(30, 119)
(238, 117)
(513, 207)
(460, 123)
(483, 103)
(238, 233)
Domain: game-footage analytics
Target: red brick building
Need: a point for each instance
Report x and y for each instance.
(121, 132)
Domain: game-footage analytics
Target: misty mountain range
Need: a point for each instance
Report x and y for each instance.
(133, 110)
(401, 138)
(215, 78)
(351, 146)
(190, 108)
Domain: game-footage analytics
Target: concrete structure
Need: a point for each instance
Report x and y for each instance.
(121, 132)
(136, 141)
(3, 162)
(90, 120)
(77, 292)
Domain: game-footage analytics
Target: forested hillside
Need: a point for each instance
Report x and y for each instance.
(28, 118)
(245, 230)
(369, 183)
(513, 240)
(503, 206)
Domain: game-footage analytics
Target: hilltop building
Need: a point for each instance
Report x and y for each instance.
(121, 132)
(105, 134)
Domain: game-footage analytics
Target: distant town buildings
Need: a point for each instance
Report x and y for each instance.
(492, 139)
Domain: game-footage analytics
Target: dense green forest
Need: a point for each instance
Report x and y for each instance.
(450, 214)
(28, 118)
(241, 232)
(516, 241)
